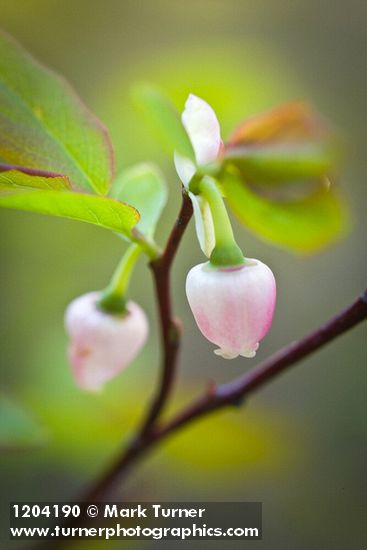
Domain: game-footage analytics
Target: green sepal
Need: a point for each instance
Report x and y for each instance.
(112, 304)
(227, 256)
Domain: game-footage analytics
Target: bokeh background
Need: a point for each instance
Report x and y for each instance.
(299, 446)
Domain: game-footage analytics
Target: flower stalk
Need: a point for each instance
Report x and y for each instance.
(226, 252)
(113, 297)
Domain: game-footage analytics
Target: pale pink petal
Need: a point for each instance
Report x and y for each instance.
(202, 127)
(233, 307)
(101, 345)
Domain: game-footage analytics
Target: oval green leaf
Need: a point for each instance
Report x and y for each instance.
(282, 162)
(305, 225)
(52, 195)
(289, 143)
(44, 124)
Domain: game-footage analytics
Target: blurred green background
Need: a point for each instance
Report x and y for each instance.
(299, 446)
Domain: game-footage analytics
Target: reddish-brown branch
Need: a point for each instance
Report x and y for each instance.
(170, 327)
(236, 391)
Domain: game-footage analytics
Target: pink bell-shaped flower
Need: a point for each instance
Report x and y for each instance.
(233, 306)
(101, 344)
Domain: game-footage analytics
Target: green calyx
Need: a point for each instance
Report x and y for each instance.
(226, 256)
(113, 304)
(226, 251)
(211, 170)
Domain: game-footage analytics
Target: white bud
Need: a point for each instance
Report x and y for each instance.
(202, 127)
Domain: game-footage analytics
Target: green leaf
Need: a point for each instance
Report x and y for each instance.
(303, 225)
(44, 124)
(163, 118)
(52, 195)
(17, 429)
(289, 143)
(281, 162)
(143, 186)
